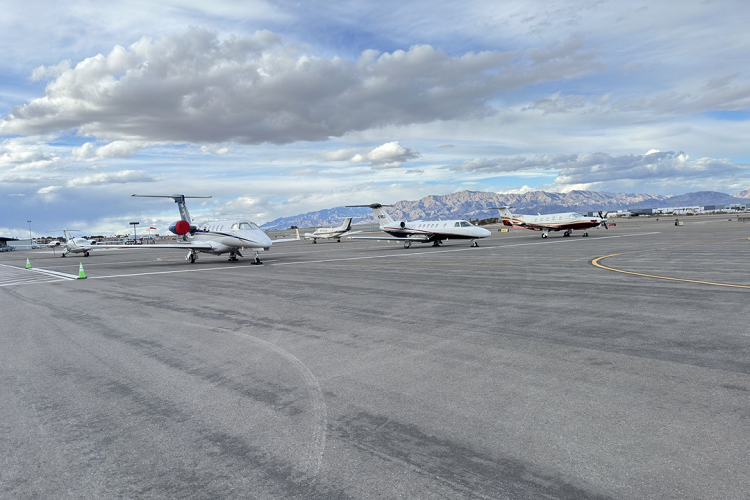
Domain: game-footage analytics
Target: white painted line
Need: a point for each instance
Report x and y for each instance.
(410, 253)
(12, 275)
(54, 273)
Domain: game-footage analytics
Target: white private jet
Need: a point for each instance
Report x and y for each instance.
(215, 237)
(423, 231)
(73, 245)
(335, 233)
(567, 222)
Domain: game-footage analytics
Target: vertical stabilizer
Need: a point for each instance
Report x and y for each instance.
(179, 199)
(182, 206)
(504, 212)
(381, 216)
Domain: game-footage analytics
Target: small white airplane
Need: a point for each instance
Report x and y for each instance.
(73, 245)
(423, 231)
(214, 237)
(335, 233)
(567, 221)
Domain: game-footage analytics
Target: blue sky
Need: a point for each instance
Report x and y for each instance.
(280, 108)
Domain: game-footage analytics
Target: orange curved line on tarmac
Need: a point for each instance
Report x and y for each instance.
(596, 263)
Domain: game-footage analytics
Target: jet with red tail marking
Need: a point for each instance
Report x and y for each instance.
(214, 237)
(567, 221)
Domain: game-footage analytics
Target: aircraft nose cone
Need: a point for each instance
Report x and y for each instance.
(264, 240)
(484, 233)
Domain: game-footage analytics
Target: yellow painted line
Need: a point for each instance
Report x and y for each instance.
(596, 262)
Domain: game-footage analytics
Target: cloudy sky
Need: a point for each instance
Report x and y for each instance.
(279, 108)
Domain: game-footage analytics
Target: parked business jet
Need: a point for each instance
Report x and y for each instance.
(335, 233)
(423, 231)
(567, 222)
(74, 245)
(215, 237)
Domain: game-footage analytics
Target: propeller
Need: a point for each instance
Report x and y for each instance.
(603, 222)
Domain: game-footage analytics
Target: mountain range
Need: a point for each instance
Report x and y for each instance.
(477, 205)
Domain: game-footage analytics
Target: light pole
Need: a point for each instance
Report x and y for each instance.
(31, 242)
(135, 235)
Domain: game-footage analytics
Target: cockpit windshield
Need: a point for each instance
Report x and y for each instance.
(465, 224)
(245, 225)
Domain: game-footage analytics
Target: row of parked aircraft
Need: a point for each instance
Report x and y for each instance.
(235, 236)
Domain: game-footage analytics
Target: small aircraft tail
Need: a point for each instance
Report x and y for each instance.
(346, 225)
(505, 214)
(179, 199)
(381, 216)
(185, 224)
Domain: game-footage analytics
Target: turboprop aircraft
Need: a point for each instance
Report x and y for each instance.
(423, 231)
(332, 232)
(567, 222)
(74, 245)
(215, 237)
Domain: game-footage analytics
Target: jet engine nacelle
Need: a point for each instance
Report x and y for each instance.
(402, 224)
(182, 227)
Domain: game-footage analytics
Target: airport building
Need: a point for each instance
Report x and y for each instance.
(26, 244)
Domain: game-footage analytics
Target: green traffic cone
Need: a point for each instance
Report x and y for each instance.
(81, 274)
(28, 264)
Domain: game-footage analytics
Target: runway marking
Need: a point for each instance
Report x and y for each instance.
(432, 252)
(54, 273)
(596, 263)
(12, 275)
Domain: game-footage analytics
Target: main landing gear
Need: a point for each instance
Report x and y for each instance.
(233, 256)
(407, 244)
(436, 243)
(191, 256)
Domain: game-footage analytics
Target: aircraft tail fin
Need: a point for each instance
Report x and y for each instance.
(381, 216)
(179, 199)
(505, 214)
(347, 224)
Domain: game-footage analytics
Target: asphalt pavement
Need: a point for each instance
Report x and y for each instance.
(610, 367)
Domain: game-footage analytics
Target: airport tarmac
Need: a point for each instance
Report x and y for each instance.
(610, 367)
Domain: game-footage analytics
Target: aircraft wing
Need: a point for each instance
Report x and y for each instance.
(391, 238)
(282, 240)
(540, 227)
(171, 246)
(351, 232)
